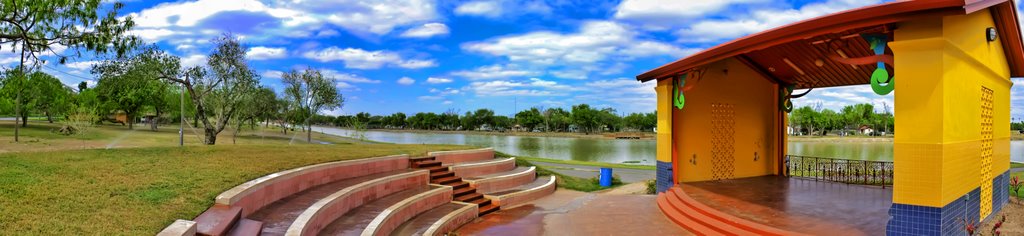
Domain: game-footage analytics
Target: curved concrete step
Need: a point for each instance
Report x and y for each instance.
(483, 167)
(459, 156)
(692, 215)
(374, 215)
(396, 214)
(438, 221)
(505, 180)
(328, 209)
(278, 216)
(522, 194)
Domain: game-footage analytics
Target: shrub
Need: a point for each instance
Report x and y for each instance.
(652, 186)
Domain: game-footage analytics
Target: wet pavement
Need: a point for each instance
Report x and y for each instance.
(357, 219)
(808, 206)
(627, 175)
(420, 223)
(568, 213)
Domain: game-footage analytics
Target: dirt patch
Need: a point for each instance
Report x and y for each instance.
(1014, 225)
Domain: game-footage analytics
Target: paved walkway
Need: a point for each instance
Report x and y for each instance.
(627, 175)
(567, 213)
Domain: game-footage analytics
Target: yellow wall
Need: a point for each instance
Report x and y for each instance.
(940, 68)
(664, 144)
(753, 99)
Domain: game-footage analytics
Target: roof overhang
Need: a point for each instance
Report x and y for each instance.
(883, 15)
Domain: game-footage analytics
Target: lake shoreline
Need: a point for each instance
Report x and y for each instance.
(606, 135)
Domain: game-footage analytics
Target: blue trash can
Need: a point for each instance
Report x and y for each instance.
(606, 177)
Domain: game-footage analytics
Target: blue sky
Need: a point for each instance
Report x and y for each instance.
(426, 55)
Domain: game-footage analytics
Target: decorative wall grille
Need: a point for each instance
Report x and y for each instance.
(723, 132)
(986, 151)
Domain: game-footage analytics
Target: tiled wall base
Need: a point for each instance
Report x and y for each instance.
(664, 176)
(949, 220)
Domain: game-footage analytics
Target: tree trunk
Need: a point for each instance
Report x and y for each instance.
(309, 133)
(155, 120)
(24, 119)
(49, 117)
(17, 111)
(130, 120)
(195, 120)
(211, 136)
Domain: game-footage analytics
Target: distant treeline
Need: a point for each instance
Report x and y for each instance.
(813, 120)
(581, 118)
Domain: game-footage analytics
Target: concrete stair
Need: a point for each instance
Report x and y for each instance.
(224, 220)
(462, 191)
(703, 220)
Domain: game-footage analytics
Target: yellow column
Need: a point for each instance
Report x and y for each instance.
(952, 105)
(665, 172)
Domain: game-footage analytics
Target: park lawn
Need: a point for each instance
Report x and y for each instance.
(41, 136)
(564, 181)
(138, 191)
(587, 163)
(1016, 165)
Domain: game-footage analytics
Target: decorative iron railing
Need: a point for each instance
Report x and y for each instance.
(840, 170)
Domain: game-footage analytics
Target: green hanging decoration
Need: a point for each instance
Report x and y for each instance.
(678, 99)
(785, 93)
(881, 83)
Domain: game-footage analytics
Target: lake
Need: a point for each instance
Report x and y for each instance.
(618, 151)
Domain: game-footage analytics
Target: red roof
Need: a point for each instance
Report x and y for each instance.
(799, 43)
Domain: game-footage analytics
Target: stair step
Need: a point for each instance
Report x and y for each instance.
(458, 185)
(711, 222)
(247, 227)
(681, 219)
(487, 209)
(217, 220)
(482, 202)
(446, 180)
(469, 197)
(463, 191)
(441, 174)
(706, 211)
(436, 169)
(424, 164)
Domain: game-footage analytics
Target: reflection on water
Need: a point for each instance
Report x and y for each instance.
(618, 151)
(598, 150)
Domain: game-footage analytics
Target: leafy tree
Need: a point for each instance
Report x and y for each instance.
(557, 119)
(502, 122)
(49, 96)
(130, 83)
(608, 119)
(221, 91)
(33, 27)
(483, 117)
(469, 122)
(449, 120)
(530, 119)
(585, 118)
(312, 93)
(82, 86)
(255, 104)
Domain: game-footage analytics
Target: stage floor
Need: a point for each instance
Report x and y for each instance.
(807, 206)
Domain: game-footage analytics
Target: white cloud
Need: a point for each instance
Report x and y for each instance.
(381, 16)
(406, 81)
(596, 41)
(623, 93)
(272, 74)
(81, 65)
(760, 20)
(361, 59)
(347, 77)
(494, 72)
(657, 10)
(447, 102)
(438, 80)
(532, 87)
(193, 60)
(265, 53)
(490, 9)
(426, 31)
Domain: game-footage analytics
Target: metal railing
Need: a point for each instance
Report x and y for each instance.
(878, 173)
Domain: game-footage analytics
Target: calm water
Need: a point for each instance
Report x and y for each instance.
(619, 151)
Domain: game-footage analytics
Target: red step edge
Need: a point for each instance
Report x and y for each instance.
(713, 223)
(747, 225)
(682, 220)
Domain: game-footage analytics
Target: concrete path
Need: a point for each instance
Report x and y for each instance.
(627, 175)
(568, 213)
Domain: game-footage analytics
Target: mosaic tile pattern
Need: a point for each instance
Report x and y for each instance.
(723, 123)
(986, 152)
(1000, 191)
(664, 176)
(907, 219)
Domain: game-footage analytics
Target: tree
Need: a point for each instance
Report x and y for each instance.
(130, 83)
(33, 27)
(48, 95)
(529, 119)
(311, 92)
(254, 105)
(585, 118)
(218, 93)
(557, 119)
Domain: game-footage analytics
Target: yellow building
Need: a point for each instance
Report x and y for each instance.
(722, 112)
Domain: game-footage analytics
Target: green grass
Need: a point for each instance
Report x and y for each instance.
(138, 191)
(1016, 165)
(565, 181)
(587, 163)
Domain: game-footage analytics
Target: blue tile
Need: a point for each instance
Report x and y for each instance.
(664, 176)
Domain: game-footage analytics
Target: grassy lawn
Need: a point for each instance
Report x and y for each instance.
(587, 163)
(565, 181)
(1016, 165)
(72, 185)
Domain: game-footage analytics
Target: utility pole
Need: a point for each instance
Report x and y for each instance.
(181, 116)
